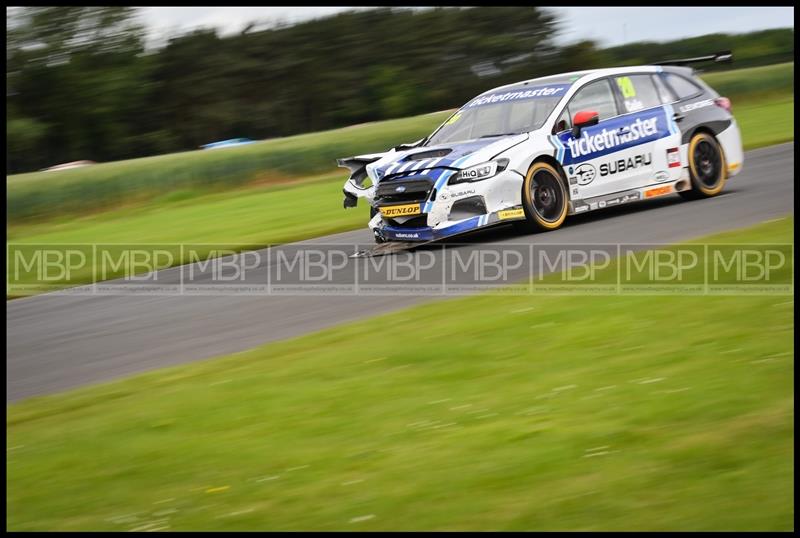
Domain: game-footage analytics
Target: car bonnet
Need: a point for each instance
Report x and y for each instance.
(443, 156)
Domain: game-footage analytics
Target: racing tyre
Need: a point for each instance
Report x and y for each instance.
(544, 197)
(706, 167)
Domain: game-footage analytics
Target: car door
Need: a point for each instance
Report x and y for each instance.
(654, 158)
(619, 153)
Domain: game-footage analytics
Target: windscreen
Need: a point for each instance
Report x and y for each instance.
(501, 112)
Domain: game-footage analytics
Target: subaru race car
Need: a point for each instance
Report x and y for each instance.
(536, 151)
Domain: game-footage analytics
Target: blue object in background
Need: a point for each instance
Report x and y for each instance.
(228, 143)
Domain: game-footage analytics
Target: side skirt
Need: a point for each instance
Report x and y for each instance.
(648, 192)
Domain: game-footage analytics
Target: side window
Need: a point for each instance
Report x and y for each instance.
(595, 96)
(682, 86)
(638, 92)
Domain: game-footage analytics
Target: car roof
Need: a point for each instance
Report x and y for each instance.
(573, 77)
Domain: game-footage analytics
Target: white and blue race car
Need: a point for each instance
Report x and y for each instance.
(536, 151)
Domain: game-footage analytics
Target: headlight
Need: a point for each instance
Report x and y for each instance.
(479, 172)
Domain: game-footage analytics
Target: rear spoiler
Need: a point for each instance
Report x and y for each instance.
(719, 57)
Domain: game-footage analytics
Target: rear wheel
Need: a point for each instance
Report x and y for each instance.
(544, 197)
(706, 167)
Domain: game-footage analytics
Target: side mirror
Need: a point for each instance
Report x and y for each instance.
(584, 118)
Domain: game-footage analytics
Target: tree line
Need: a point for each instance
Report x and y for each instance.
(81, 84)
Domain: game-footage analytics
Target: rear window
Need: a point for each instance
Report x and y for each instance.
(682, 86)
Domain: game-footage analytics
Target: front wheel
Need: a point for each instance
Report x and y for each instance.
(706, 167)
(544, 197)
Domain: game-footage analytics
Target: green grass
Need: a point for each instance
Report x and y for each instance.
(237, 220)
(766, 122)
(754, 83)
(536, 412)
(41, 196)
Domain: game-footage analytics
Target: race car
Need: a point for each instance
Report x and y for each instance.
(534, 152)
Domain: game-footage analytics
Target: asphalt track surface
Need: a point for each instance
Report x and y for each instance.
(60, 342)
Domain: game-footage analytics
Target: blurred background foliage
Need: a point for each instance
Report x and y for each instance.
(81, 85)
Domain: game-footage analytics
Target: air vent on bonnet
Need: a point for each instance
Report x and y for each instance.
(428, 155)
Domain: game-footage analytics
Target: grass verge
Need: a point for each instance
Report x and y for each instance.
(753, 83)
(237, 221)
(42, 195)
(544, 412)
(766, 122)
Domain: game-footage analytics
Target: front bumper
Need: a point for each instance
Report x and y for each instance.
(454, 209)
(429, 233)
